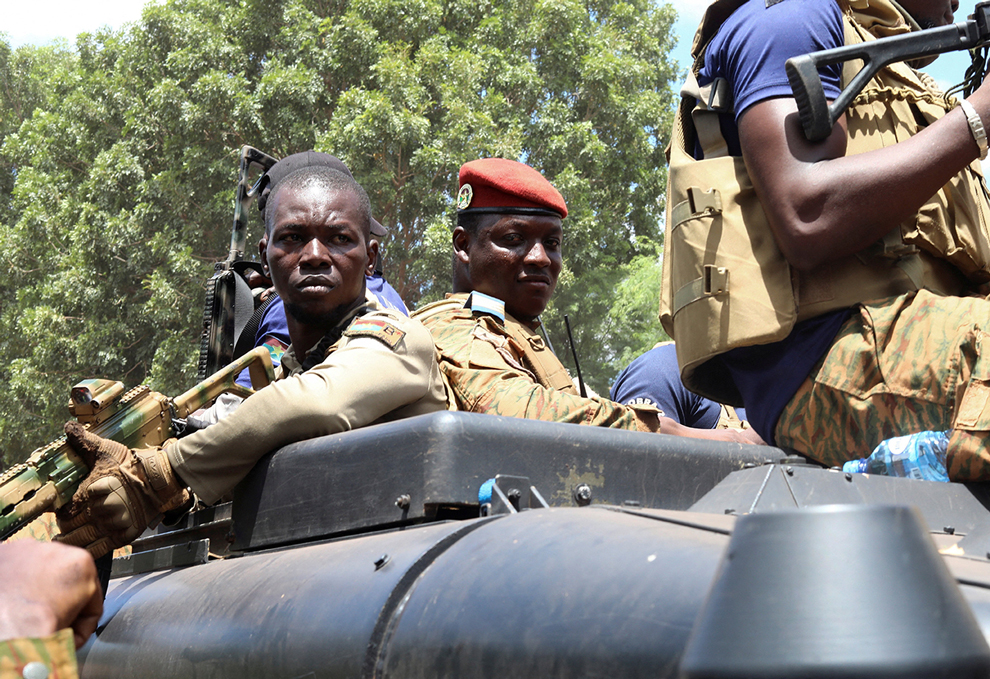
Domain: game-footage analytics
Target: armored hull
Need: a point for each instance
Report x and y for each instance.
(370, 554)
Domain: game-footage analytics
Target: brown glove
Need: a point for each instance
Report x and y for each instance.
(126, 491)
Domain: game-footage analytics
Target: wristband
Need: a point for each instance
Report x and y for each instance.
(975, 126)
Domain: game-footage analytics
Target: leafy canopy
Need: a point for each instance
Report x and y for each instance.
(118, 163)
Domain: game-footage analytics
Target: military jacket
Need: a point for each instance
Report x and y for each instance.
(55, 655)
(494, 364)
(383, 368)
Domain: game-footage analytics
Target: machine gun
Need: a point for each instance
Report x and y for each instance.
(139, 418)
(229, 304)
(818, 117)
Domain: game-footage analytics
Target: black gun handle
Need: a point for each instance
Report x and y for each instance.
(816, 118)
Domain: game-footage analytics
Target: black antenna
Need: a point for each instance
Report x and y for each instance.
(577, 366)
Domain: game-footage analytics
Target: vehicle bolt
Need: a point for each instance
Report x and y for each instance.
(402, 502)
(730, 511)
(749, 465)
(849, 476)
(582, 495)
(514, 494)
(949, 530)
(381, 561)
(790, 471)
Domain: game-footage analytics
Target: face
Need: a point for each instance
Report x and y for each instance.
(317, 254)
(515, 258)
(931, 13)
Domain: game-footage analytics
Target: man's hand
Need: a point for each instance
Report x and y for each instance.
(126, 491)
(47, 587)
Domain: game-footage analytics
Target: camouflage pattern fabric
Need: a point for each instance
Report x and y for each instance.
(901, 365)
(57, 653)
(488, 371)
(45, 528)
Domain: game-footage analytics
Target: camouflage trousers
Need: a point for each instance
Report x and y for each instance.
(899, 366)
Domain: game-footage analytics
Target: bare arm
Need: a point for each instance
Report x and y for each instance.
(822, 204)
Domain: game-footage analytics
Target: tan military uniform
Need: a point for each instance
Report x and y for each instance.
(382, 369)
(56, 653)
(504, 368)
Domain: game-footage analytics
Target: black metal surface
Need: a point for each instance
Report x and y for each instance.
(854, 592)
(543, 593)
(351, 481)
(786, 486)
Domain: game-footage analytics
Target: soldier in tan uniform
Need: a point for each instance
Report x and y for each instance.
(350, 364)
(507, 254)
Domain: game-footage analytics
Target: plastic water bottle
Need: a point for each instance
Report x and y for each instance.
(916, 456)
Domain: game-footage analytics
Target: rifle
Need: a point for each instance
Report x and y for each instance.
(139, 418)
(229, 303)
(818, 117)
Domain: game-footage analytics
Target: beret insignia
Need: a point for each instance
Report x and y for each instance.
(464, 197)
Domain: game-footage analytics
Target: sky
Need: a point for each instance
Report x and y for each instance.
(41, 21)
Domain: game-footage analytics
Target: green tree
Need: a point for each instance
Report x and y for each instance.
(118, 163)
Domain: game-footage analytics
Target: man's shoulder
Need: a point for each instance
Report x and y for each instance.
(388, 326)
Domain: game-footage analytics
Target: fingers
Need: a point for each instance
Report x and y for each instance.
(47, 587)
(88, 618)
(80, 441)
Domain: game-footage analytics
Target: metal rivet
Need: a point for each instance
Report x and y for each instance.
(402, 502)
(790, 471)
(849, 476)
(749, 465)
(730, 511)
(381, 561)
(949, 530)
(35, 670)
(582, 495)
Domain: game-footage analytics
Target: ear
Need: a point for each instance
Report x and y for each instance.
(372, 256)
(462, 243)
(263, 255)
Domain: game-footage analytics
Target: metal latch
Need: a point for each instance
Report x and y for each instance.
(509, 495)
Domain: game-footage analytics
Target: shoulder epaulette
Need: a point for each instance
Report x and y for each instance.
(378, 328)
(480, 303)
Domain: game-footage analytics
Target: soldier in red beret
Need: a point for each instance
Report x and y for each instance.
(507, 257)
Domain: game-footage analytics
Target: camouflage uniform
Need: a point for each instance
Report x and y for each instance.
(496, 365)
(904, 364)
(57, 653)
(383, 368)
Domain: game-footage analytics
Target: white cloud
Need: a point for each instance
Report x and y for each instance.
(42, 21)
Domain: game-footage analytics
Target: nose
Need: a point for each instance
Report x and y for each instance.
(315, 255)
(537, 256)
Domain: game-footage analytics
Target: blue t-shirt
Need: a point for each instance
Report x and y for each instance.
(654, 379)
(749, 51)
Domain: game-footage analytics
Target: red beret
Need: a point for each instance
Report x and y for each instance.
(506, 186)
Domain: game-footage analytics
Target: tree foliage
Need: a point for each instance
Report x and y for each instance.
(118, 163)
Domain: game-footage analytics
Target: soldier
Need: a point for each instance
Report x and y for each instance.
(50, 604)
(836, 287)
(350, 364)
(507, 256)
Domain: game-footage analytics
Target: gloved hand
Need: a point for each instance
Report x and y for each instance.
(126, 491)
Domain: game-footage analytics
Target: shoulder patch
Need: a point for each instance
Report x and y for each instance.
(383, 331)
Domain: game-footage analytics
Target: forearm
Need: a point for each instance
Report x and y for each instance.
(338, 395)
(513, 394)
(823, 204)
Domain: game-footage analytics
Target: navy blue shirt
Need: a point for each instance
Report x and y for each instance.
(654, 379)
(749, 51)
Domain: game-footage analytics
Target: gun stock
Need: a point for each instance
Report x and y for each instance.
(818, 116)
(139, 418)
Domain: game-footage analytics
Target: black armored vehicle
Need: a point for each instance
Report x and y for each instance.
(464, 545)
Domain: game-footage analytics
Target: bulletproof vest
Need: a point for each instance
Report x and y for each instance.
(725, 282)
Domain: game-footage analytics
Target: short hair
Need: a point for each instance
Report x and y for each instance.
(324, 179)
(473, 221)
